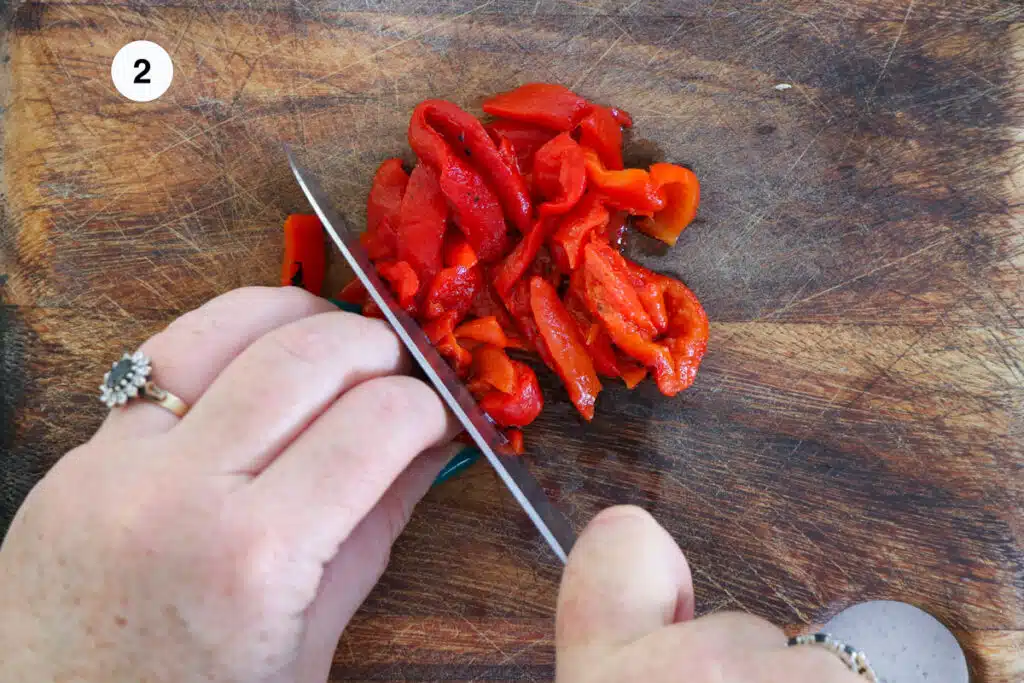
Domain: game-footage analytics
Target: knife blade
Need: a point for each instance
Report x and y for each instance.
(550, 522)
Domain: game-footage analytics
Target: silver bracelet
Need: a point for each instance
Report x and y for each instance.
(854, 659)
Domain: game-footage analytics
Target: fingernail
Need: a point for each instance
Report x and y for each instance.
(347, 306)
(457, 465)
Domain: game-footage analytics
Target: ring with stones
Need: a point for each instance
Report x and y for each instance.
(128, 378)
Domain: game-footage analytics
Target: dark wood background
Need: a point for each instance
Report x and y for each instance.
(856, 429)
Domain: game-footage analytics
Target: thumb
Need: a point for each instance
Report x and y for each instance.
(625, 578)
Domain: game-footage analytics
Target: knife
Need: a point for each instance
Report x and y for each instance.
(551, 523)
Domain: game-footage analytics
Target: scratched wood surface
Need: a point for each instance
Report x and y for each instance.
(856, 429)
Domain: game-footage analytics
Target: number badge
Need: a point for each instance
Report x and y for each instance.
(142, 71)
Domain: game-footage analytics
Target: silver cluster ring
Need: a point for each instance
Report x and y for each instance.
(854, 659)
(128, 378)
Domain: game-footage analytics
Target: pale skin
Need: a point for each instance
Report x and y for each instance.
(235, 544)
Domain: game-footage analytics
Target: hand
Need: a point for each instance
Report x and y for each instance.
(625, 614)
(236, 543)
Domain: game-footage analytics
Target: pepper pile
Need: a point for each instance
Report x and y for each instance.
(506, 236)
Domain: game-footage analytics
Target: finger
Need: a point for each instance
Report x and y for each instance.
(193, 350)
(801, 664)
(726, 646)
(625, 578)
(278, 385)
(351, 575)
(329, 479)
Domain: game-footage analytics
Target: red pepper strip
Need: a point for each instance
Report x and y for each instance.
(545, 104)
(403, 280)
(631, 190)
(486, 303)
(633, 374)
(305, 258)
(507, 153)
(601, 132)
(457, 252)
(519, 408)
(372, 310)
(486, 330)
(382, 208)
(566, 244)
(440, 334)
(515, 443)
(421, 224)
(475, 207)
(606, 271)
(622, 116)
(567, 349)
(525, 139)
(682, 194)
(559, 175)
(687, 329)
(511, 269)
(493, 367)
(518, 305)
(471, 143)
(452, 291)
(599, 344)
(354, 293)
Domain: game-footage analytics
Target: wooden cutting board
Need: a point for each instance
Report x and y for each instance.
(856, 429)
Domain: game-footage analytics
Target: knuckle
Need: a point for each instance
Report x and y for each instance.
(397, 397)
(328, 337)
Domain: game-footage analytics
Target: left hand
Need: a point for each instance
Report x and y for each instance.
(236, 543)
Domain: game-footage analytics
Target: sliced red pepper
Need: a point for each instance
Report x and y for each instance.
(421, 224)
(614, 232)
(599, 344)
(544, 104)
(403, 280)
(559, 175)
(457, 252)
(608, 282)
(515, 442)
(622, 116)
(512, 268)
(354, 293)
(631, 190)
(588, 215)
(525, 139)
(382, 209)
(440, 332)
(452, 291)
(517, 302)
(466, 137)
(475, 207)
(372, 310)
(518, 408)
(492, 367)
(572, 363)
(305, 257)
(687, 329)
(485, 330)
(682, 194)
(632, 374)
(601, 132)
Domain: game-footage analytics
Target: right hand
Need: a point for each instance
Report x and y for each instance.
(625, 615)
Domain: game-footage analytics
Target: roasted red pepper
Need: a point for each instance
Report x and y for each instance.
(457, 252)
(468, 142)
(572, 363)
(493, 369)
(475, 207)
(382, 209)
(559, 175)
(631, 190)
(421, 224)
(682, 194)
(485, 330)
(453, 291)
(567, 242)
(512, 268)
(601, 132)
(305, 257)
(519, 408)
(525, 139)
(354, 293)
(405, 284)
(544, 104)
(440, 332)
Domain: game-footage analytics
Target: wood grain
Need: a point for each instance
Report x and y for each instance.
(856, 430)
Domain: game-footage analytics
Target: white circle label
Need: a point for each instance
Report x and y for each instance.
(142, 71)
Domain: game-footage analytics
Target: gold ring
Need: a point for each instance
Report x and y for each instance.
(128, 378)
